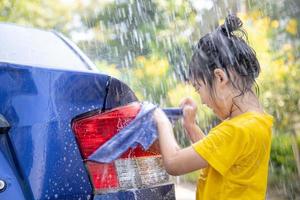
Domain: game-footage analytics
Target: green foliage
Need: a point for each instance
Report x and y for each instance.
(129, 26)
(280, 90)
(282, 172)
(191, 177)
(37, 13)
(282, 158)
(134, 28)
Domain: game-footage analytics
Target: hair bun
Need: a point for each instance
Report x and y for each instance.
(232, 23)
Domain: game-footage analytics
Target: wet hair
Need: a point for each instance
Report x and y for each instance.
(225, 49)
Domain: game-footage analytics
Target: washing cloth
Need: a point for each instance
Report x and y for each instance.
(142, 130)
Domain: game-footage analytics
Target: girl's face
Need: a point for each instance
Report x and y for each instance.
(220, 99)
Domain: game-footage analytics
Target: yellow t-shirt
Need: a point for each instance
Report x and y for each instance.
(238, 152)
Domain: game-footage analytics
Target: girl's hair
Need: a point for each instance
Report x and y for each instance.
(226, 50)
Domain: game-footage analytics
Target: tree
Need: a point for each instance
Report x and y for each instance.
(37, 13)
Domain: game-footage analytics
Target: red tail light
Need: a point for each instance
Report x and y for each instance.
(91, 132)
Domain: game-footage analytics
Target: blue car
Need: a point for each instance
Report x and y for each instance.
(56, 109)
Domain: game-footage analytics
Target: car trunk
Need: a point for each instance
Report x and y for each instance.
(40, 104)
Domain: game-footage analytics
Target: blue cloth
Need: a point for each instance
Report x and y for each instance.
(142, 130)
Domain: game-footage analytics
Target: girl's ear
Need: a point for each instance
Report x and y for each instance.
(220, 76)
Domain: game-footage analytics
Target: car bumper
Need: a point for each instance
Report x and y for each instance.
(161, 192)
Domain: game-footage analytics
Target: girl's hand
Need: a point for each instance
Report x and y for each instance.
(174, 158)
(189, 107)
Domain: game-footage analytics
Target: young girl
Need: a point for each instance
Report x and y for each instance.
(234, 155)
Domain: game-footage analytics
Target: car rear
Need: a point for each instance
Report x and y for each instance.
(60, 111)
(136, 171)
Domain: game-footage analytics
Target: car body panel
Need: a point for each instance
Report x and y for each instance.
(40, 103)
(161, 192)
(8, 173)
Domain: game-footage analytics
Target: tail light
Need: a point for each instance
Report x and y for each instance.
(135, 168)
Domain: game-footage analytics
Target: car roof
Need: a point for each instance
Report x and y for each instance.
(43, 48)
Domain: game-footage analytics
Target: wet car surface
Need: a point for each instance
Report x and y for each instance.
(45, 83)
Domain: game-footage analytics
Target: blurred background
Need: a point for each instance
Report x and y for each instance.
(148, 45)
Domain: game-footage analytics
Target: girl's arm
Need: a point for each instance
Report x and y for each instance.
(177, 161)
(194, 132)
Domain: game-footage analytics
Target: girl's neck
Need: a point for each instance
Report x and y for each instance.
(246, 103)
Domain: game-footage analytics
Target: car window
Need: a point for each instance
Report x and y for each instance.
(36, 47)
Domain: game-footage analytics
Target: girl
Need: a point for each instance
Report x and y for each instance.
(234, 155)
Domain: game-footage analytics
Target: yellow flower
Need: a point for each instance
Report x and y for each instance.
(138, 73)
(291, 26)
(291, 57)
(221, 21)
(279, 69)
(256, 15)
(109, 69)
(139, 95)
(156, 67)
(180, 91)
(242, 16)
(140, 59)
(286, 47)
(274, 24)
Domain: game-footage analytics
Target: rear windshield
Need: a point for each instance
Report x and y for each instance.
(35, 47)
